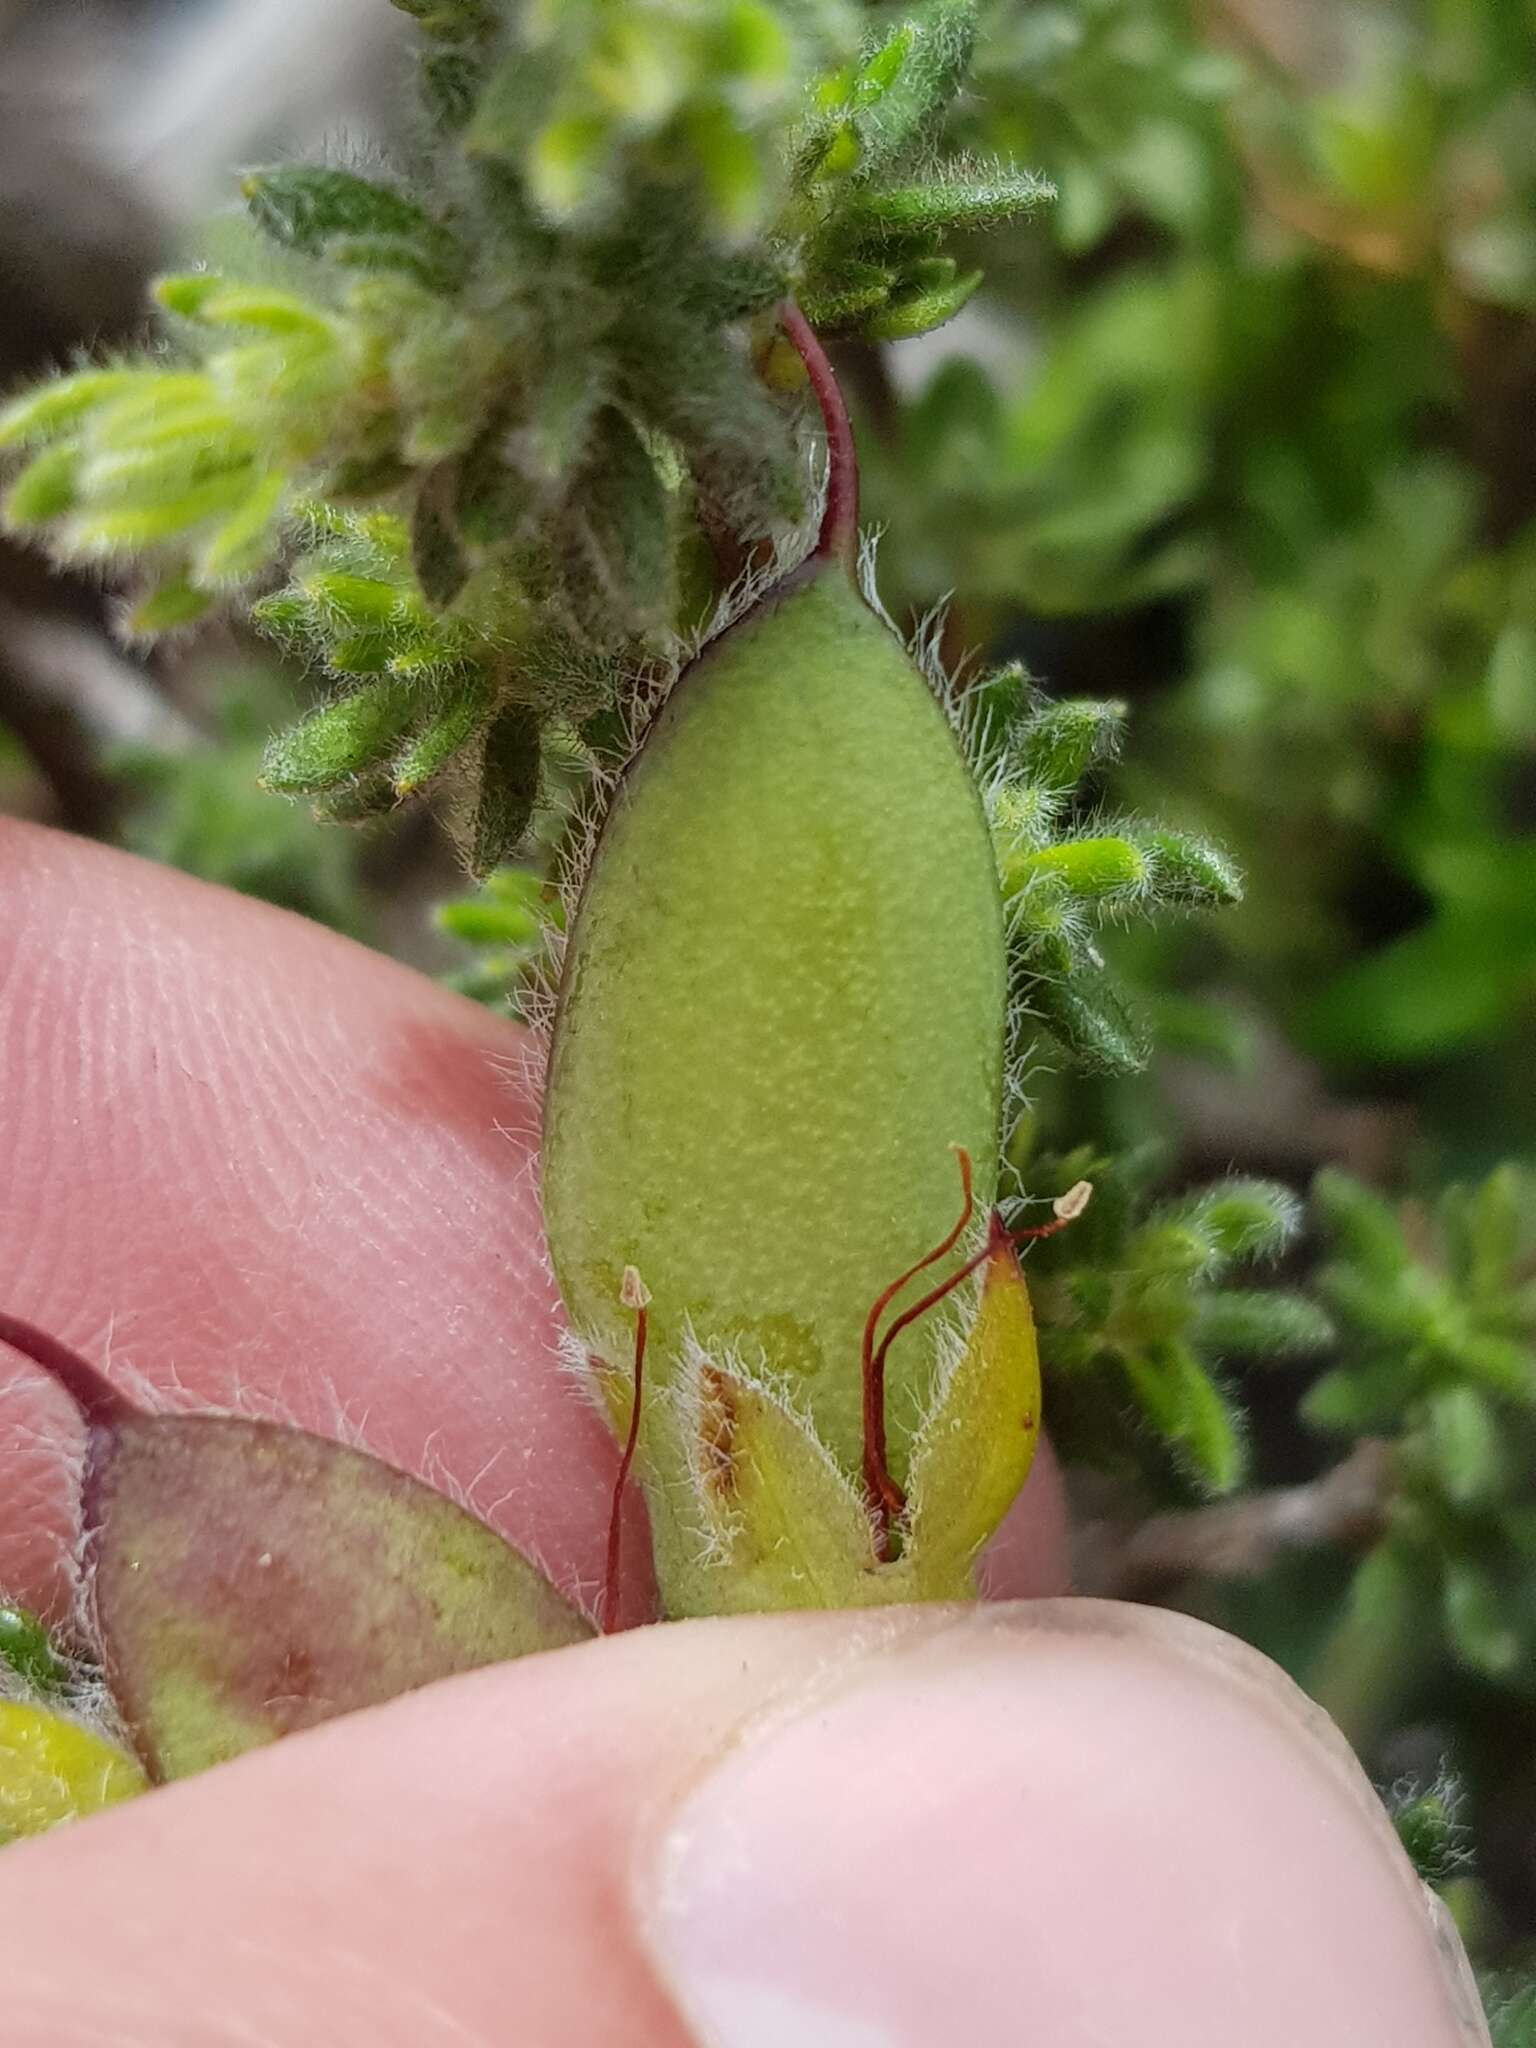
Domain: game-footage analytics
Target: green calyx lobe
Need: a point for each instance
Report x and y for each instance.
(783, 1011)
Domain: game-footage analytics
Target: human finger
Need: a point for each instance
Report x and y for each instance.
(1064, 1822)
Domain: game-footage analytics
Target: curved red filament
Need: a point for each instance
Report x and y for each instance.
(886, 1499)
(610, 1610)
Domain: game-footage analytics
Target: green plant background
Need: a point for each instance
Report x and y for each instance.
(1231, 455)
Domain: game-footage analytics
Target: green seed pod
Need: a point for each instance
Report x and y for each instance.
(812, 1013)
(783, 1011)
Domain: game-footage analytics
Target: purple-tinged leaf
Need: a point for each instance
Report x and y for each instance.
(248, 1579)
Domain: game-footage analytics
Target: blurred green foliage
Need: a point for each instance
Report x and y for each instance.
(1069, 870)
(506, 925)
(1273, 384)
(1511, 2010)
(1437, 1320)
(202, 808)
(1140, 1322)
(1247, 440)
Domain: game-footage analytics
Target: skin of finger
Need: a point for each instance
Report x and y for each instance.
(253, 1165)
(1030, 1556)
(489, 1860)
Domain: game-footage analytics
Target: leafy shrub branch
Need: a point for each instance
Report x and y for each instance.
(503, 419)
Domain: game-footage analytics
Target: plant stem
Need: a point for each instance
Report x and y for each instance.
(99, 1402)
(838, 540)
(1239, 1539)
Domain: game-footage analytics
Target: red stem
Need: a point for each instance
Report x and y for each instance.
(99, 1402)
(838, 540)
(1035, 1230)
(626, 1460)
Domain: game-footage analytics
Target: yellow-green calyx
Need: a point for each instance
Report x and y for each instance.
(53, 1768)
(782, 1017)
